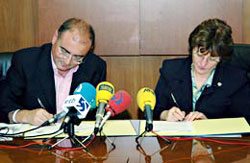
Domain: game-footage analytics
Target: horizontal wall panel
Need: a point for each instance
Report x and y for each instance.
(166, 24)
(133, 73)
(116, 22)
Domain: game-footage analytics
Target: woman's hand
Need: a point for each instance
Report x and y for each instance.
(173, 115)
(195, 116)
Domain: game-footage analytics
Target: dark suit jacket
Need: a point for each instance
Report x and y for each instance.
(31, 76)
(231, 99)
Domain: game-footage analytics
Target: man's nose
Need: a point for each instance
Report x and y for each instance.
(68, 59)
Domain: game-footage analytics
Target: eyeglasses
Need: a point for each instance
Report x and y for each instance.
(65, 54)
(202, 53)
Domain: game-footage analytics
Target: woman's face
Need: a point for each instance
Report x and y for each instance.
(203, 62)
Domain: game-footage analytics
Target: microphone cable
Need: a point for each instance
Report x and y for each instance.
(15, 135)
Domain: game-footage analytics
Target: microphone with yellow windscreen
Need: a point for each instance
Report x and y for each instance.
(104, 91)
(146, 101)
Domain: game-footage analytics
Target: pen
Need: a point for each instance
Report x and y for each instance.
(173, 98)
(40, 102)
(177, 106)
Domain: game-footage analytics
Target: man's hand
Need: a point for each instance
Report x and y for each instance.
(34, 117)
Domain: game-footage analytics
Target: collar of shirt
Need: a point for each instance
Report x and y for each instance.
(62, 84)
(197, 93)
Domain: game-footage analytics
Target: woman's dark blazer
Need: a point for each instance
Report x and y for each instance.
(229, 95)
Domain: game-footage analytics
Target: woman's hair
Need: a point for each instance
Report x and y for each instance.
(215, 36)
(81, 25)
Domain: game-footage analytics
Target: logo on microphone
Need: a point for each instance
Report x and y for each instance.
(70, 101)
(118, 97)
(77, 102)
(149, 90)
(106, 88)
(78, 89)
(83, 105)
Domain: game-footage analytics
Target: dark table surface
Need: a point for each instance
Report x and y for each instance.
(151, 149)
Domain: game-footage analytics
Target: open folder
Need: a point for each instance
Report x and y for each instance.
(111, 128)
(199, 127)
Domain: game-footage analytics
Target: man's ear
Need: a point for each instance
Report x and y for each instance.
(55, 37)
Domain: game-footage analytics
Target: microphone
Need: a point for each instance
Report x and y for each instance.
(55, 118)
(104, 92)
(146, 101)
(77, 106)
(117, 104)
(84, 89)
(86, 93)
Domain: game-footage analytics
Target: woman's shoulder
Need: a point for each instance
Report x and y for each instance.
(234, 75)
(176, 66)
(174, 62)
(232, 70)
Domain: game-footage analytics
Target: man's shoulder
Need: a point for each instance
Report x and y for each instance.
(34, 49)
(93, 58)
(32, 52)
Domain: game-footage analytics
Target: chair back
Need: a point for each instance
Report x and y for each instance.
(5, 62)
(241, 57)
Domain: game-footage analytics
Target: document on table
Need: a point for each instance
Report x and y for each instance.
(173, 126)
(199, 127)
(11, 129)
(111, 128)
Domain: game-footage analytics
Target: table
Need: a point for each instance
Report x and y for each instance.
(126, 150)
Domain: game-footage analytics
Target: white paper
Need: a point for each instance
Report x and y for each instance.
(164, 126)
(11, 129)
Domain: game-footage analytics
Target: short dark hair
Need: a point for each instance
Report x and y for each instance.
(214, 35)
(80, 25)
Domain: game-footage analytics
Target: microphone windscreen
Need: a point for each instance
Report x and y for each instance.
(88, 91)
(93, 105)
(119, 103)
(146, 96)
(104, 91)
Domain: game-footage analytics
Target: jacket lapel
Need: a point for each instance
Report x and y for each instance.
(217, 81)
(182, 85)
(46, 78)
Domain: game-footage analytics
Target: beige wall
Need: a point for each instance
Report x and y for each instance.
(18, 27)
(246, 22)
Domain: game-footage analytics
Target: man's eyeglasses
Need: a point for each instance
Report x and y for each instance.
(65, 54)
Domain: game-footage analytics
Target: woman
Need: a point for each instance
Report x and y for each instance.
(203, 85)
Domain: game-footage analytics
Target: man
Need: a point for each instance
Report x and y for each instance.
(40, 78)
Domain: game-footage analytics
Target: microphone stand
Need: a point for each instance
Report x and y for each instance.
(149, 129)
(94, 158)
(69, 129)
(101, 133)
(142, 135)
(149, 125)
(148, 157)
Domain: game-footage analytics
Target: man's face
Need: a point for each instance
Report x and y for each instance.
(69, 49)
